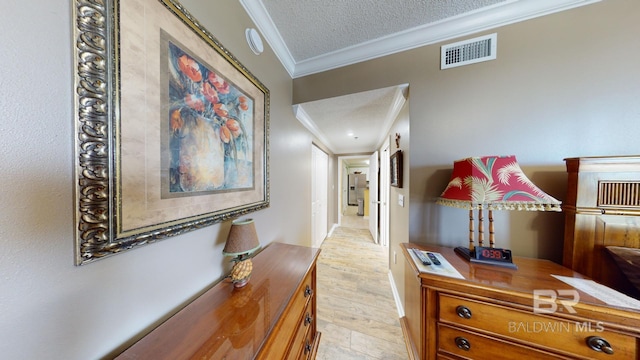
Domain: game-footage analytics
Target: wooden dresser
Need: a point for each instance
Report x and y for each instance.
(602, 209)
(490, 314)
(272, 317)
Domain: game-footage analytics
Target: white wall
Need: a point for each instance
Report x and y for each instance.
(51, 309)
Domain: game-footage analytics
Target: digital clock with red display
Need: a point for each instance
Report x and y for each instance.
(488, 255)
(493, 255)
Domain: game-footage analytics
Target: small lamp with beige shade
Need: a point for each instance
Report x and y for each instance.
(241, 243)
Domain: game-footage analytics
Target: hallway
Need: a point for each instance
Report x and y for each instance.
(350, 219)
(357, 314)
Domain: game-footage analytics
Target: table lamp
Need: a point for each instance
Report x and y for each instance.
(241, 243)
(492, 183)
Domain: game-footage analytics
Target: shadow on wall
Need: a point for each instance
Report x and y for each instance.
(550, 240)
(550, 226)
(425, 225)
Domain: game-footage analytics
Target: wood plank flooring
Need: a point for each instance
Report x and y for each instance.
(357, 314)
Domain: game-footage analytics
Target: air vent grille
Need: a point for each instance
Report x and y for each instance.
(469, 51)
(619, 193)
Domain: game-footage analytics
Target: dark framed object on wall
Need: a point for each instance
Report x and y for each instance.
(171, 129)
(396, 169)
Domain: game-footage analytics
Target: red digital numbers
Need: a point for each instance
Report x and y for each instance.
(491, 254)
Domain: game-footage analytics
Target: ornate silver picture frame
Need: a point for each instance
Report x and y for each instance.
(171, 130)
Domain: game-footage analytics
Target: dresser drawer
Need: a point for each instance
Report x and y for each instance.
(305, 330)
(470, 345)
(305, 292)
(284, 342)
(533, 329)
(310, 346)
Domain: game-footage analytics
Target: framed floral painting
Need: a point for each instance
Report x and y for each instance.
(171, 129)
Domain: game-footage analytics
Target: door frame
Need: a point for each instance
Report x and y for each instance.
(343, 185)
(374, 200)
(319, 189)
(384, 185)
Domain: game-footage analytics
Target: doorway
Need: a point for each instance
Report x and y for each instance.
(376, 215)
(351, 207)
(354, 124)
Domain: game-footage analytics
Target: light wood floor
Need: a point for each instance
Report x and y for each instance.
(351, 220)
(357, 314)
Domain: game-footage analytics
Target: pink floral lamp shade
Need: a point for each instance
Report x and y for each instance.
(494, 183)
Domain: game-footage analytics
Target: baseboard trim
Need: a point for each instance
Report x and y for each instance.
(411, 349)
(332, 228)
(396, 296)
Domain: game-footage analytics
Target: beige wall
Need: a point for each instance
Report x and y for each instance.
(399, 215)
(563, 85)
(51, 309)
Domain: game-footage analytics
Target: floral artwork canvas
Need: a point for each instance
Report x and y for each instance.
(172, 130)
(210, 132)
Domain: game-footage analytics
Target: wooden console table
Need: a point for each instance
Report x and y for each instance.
(490, 314)
(272, 317)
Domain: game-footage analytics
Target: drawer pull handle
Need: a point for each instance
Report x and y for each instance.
(308, 319)
(307, 348)
(308, 291)
(464, 312)
(463, 343)
(599, 344)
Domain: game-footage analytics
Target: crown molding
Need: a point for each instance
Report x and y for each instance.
(502, 14)
(462, 25)
(308, 123)
(260, 17)
(399, 98)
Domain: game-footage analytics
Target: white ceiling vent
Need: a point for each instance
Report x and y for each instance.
(469, 51)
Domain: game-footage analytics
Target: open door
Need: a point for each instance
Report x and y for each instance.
(373, 196)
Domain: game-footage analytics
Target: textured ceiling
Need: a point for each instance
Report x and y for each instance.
(313, 28)
(310, 36)
(354, 123)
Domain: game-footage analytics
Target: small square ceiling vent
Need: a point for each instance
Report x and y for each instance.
(469, 51)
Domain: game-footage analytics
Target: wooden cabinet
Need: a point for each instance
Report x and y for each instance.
(602, 209)
(492, 314)
(272, 317)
